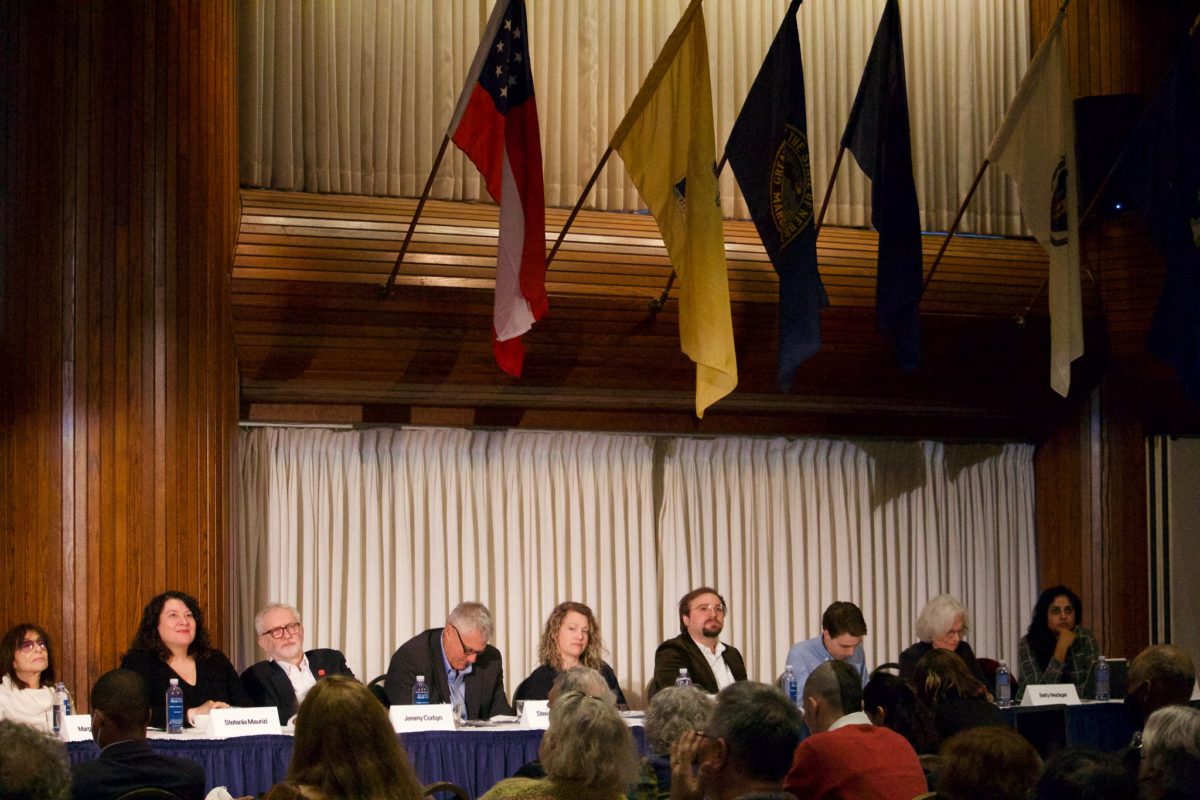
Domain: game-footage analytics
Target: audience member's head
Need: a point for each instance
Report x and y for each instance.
(988, 763)
(584, 680)
(672, 711)
(760, 729)
(1162, 675)
(1171, 754)
(842, 629)
(33, 766)
(1077, 773)
(120, 707)
(345, 745)
(941, 675)
(891, 703)
(832, 691)
(589, 745)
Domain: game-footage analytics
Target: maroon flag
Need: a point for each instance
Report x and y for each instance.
(496, 125)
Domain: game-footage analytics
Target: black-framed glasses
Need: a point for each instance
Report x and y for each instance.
(278, 633)
(467, 651)
(28, 645)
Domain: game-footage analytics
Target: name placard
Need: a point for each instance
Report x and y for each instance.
(77, 728)
(227, 723)
(535, 714)
(1051, 694)
(408, 719)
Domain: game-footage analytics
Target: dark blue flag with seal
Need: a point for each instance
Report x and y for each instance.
(1160, 171)
(877, 134)
(768, 151)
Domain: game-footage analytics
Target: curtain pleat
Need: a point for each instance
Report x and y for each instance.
(376, 534)
(354, 97)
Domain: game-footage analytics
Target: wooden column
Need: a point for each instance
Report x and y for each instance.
(118, 131)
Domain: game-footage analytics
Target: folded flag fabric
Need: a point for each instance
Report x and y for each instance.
(496, 125)
(1035, 146)
(769, 154)
(877, 133)
(667, 143)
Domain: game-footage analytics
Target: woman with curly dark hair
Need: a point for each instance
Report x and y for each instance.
(172, 642)
(571, 638)
(27, 685)
(1057, 648)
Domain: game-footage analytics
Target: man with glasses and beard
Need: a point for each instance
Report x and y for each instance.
(711, 664)
(289, 672)
(458, 664)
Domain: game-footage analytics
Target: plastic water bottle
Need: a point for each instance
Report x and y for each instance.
(1102, 688)
(684, 679)
(790, 686)
(174, 707)
(62, 707)
(1003, 686)
(420, 692)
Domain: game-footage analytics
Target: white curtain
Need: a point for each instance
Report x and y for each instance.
(354, 96)
(376, 534)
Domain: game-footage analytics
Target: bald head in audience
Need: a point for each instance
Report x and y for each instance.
(1162, 675)
(832, 691)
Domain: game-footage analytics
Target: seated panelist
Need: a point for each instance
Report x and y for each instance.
(712, 665)
(571, 638)
(27, 685)
(1056, 648)
(289, 672)
(459, 665)
(942, 625)
(172, 642)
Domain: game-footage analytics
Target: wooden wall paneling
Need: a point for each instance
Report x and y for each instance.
(119, 415)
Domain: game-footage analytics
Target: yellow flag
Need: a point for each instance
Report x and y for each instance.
(667, 143)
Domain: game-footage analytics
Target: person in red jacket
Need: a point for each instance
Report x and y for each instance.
(847, 757)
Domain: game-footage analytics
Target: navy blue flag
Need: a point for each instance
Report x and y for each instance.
(768, 151)
(1160, 170)
(877, 135)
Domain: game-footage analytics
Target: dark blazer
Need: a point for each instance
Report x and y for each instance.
(268, 685)
(125, 766)
(537, 685)
(422, 655)
(682, 651)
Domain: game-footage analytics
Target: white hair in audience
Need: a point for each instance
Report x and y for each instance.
(1171, 752)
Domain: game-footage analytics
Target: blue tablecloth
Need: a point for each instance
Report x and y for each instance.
(473, 759)
(1102, 726)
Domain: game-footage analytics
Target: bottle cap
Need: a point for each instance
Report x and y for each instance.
(174, 681)
(683, 670)
(420, 678)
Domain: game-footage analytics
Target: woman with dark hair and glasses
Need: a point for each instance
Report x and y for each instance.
(172, 642)
(27, 688)
(1056, 648)
(571, 638)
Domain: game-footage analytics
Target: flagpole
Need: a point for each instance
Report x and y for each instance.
(837, 164)
(962, 209)
(562, 234)
(412, 223)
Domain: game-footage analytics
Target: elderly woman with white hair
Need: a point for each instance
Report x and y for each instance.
(942, 624)
(673, 711)
(587, 752)
(1170, 768)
